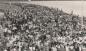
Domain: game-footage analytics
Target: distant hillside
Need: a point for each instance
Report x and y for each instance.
(28, 23)
(46, 18)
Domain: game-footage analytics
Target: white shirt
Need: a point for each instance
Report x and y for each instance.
(54, 48)
(5, 50)
(14, 49)
(67, 48)
(31, 48)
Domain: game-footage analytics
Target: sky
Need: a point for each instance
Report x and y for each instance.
(78, 7)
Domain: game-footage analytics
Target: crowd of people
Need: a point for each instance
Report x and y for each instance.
(39, 28)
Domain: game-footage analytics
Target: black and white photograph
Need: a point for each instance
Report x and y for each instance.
(43, 26)
(42, 0)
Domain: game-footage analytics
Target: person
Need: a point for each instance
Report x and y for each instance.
(1, 48)
(37, 48)
(62, 47)
(31, 48)
(14, 49)
(71, 48)
(5, 50)
(8, 49)
(76, 46)
(54, 48)
(67, 48)
(50, 49)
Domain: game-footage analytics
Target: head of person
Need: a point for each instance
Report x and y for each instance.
(76, 44)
